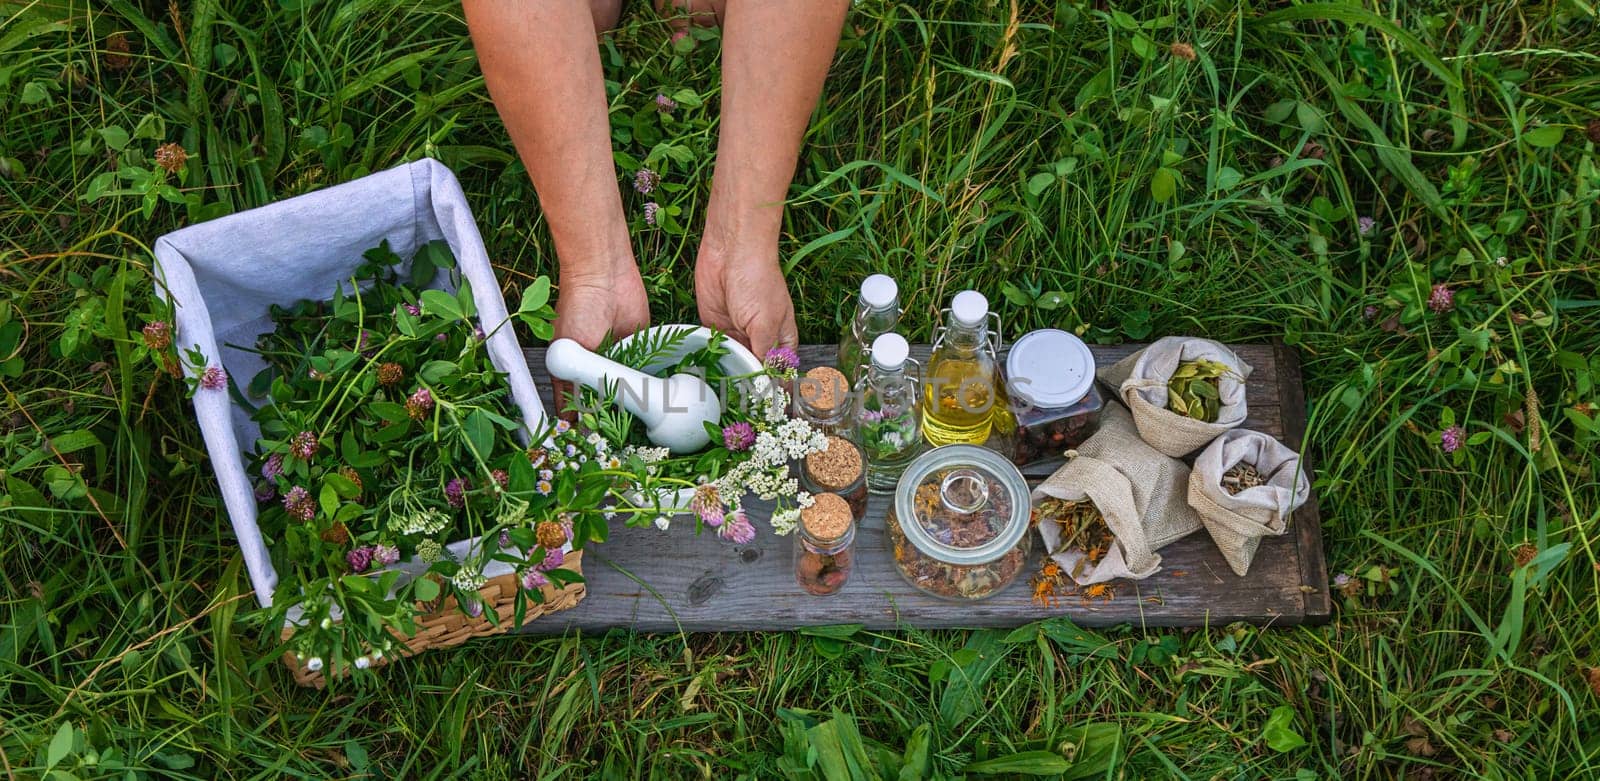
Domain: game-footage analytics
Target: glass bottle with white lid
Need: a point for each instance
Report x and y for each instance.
(877, 313)
(888, 412)
(959, 524)
(963, 382)
(1050, 388)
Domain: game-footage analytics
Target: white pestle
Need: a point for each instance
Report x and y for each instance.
(674, 409)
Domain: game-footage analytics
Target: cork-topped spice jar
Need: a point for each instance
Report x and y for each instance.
(840, 469)
(823, 559)
(822, 398)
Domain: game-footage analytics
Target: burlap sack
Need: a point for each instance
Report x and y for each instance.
(1138, 490)
(1141, 382)
(1237, 522)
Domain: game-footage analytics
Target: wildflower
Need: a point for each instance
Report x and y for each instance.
(1347, 585)
(413, 310)
(1365, 225)
(562, 426)
(1442, 299)
(662, 522)
(547, 474)
(1182, 51)
(171, 157)
(784, 521)
(468, 578)
(455, 492)
(359, 559)
(544, 488)
(384, 555)
(299, 504)
(505, 539)
(553, 559)
(419, 404)
(337, 534)
(738, 437)
(427, 521)
(550, 535)
(1369, 313)
(708, 505)
(650, 211)
(158, 335)
(273, 467)
(645, 181)
(738, 529)
(533, 580)
(537, 456)
(303, 445)
(364, 342)
(213, 378)
(871, 415)
(390, 373)
(477, 333)
(665, 104)
(265, 492)
(1451, 439)
(429, 551)
(783, 359)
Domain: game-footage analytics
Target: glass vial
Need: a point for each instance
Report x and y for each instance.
(823, 559)
(877, 313)
(840, 469)
(822, 398)
(963, 381)
(888, 416)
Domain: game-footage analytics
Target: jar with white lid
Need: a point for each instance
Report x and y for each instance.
(1050, 389)
(959, 524)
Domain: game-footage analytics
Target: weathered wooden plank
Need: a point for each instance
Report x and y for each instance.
(646, 580)
(1308, 519)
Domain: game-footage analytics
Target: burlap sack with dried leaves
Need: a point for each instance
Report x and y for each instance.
(1137, 490)
(1237, 522)
(1141, 382)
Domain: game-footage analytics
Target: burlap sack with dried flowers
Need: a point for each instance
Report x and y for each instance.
(1137, 490)
(1141, 382)
(1237, 522)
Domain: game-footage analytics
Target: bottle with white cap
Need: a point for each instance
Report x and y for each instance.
(887, 412)
(963, 381)
(877, 312)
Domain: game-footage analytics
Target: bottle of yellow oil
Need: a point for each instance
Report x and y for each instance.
(961, 387)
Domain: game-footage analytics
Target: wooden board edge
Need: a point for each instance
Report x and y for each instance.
(1317, 602)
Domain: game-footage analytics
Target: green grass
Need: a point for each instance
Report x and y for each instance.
(957, 145)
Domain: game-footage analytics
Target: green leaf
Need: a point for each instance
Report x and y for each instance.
(1163, 184)
(425, 589)
(33, 93)
(1094, 749)
(435, 372)
(1027, 763)
(1040, 182)
(60, 746)
(329, 499)
(1279, 732)
(1544, 137)
(1308, 116)
(115, 137)
(479, 430)
(970, 672)
(341, 485)
(441, 304)
(914, 763)
(535, 296)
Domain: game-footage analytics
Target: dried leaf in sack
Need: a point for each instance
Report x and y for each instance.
(1240, 477)
(1082, 528)
(1192, 391)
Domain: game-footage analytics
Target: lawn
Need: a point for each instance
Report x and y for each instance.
(1404, 191)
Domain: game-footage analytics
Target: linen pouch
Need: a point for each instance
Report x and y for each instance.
(1140, 380)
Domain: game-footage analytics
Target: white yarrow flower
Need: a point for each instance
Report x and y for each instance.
(662, 522)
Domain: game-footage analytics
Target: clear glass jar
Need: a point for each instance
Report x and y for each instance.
(877, 313)
(822, 398)
(840, 469)
(959, 524)
(1051, 395)
(888, 413)
(962, 382)
(823, 559)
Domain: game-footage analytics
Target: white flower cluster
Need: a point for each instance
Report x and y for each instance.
(512, 511)
(424, 521)
(784, 521)
(765, 472)
(468, 578)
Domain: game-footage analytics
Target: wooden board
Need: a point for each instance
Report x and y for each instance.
(650, 581)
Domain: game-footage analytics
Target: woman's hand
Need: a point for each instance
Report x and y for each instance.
(743, 293)
(591, 305)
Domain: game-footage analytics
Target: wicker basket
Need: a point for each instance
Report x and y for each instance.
(447, 626)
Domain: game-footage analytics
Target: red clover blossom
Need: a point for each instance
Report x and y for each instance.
(1442, 299)
(738, 437)
(1452, 438)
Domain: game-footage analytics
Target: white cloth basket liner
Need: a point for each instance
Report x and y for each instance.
(221, 276)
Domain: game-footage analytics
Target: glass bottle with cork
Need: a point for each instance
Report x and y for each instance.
(888, 412)
(963, 383)
(877, 313)
(822, 556)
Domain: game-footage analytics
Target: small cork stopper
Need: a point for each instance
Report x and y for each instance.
(824, 389)
(836, 467)
(827, 518)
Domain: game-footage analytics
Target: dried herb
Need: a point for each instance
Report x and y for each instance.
(1083, 528)
(1193, 390)
(1240, 477)
(961, 530)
